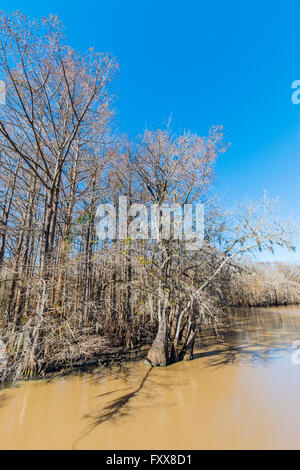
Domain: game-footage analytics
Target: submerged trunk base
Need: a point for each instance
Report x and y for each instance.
(158, 354)
(187, 352)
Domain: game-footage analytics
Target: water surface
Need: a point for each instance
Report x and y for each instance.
(241, 393)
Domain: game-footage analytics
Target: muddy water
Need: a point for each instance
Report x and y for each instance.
(239, 394)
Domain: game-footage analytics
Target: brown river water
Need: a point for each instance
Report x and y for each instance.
(241, 393)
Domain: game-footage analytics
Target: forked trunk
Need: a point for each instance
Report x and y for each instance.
(175, 351)
(187, 352)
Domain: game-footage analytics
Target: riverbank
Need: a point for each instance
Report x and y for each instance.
(113, 354)
(66, 366)
(64, 363)
(107, 357)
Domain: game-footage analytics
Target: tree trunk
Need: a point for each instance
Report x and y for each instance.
(175, 351)
(158, 354)
(187, 352)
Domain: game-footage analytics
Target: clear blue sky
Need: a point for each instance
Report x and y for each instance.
(222, 62)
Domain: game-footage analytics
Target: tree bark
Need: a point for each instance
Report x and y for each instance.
(158, 354)
(187, 352)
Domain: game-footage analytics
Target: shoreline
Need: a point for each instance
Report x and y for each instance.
(107, 357)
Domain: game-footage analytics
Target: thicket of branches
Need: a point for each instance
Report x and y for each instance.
(65, 294)
(264, 284)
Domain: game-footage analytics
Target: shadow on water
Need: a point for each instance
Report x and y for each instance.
(115, 408)
(251, 336)
(122, 405)
(3, 399)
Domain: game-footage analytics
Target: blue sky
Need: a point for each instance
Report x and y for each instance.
(222, 62)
